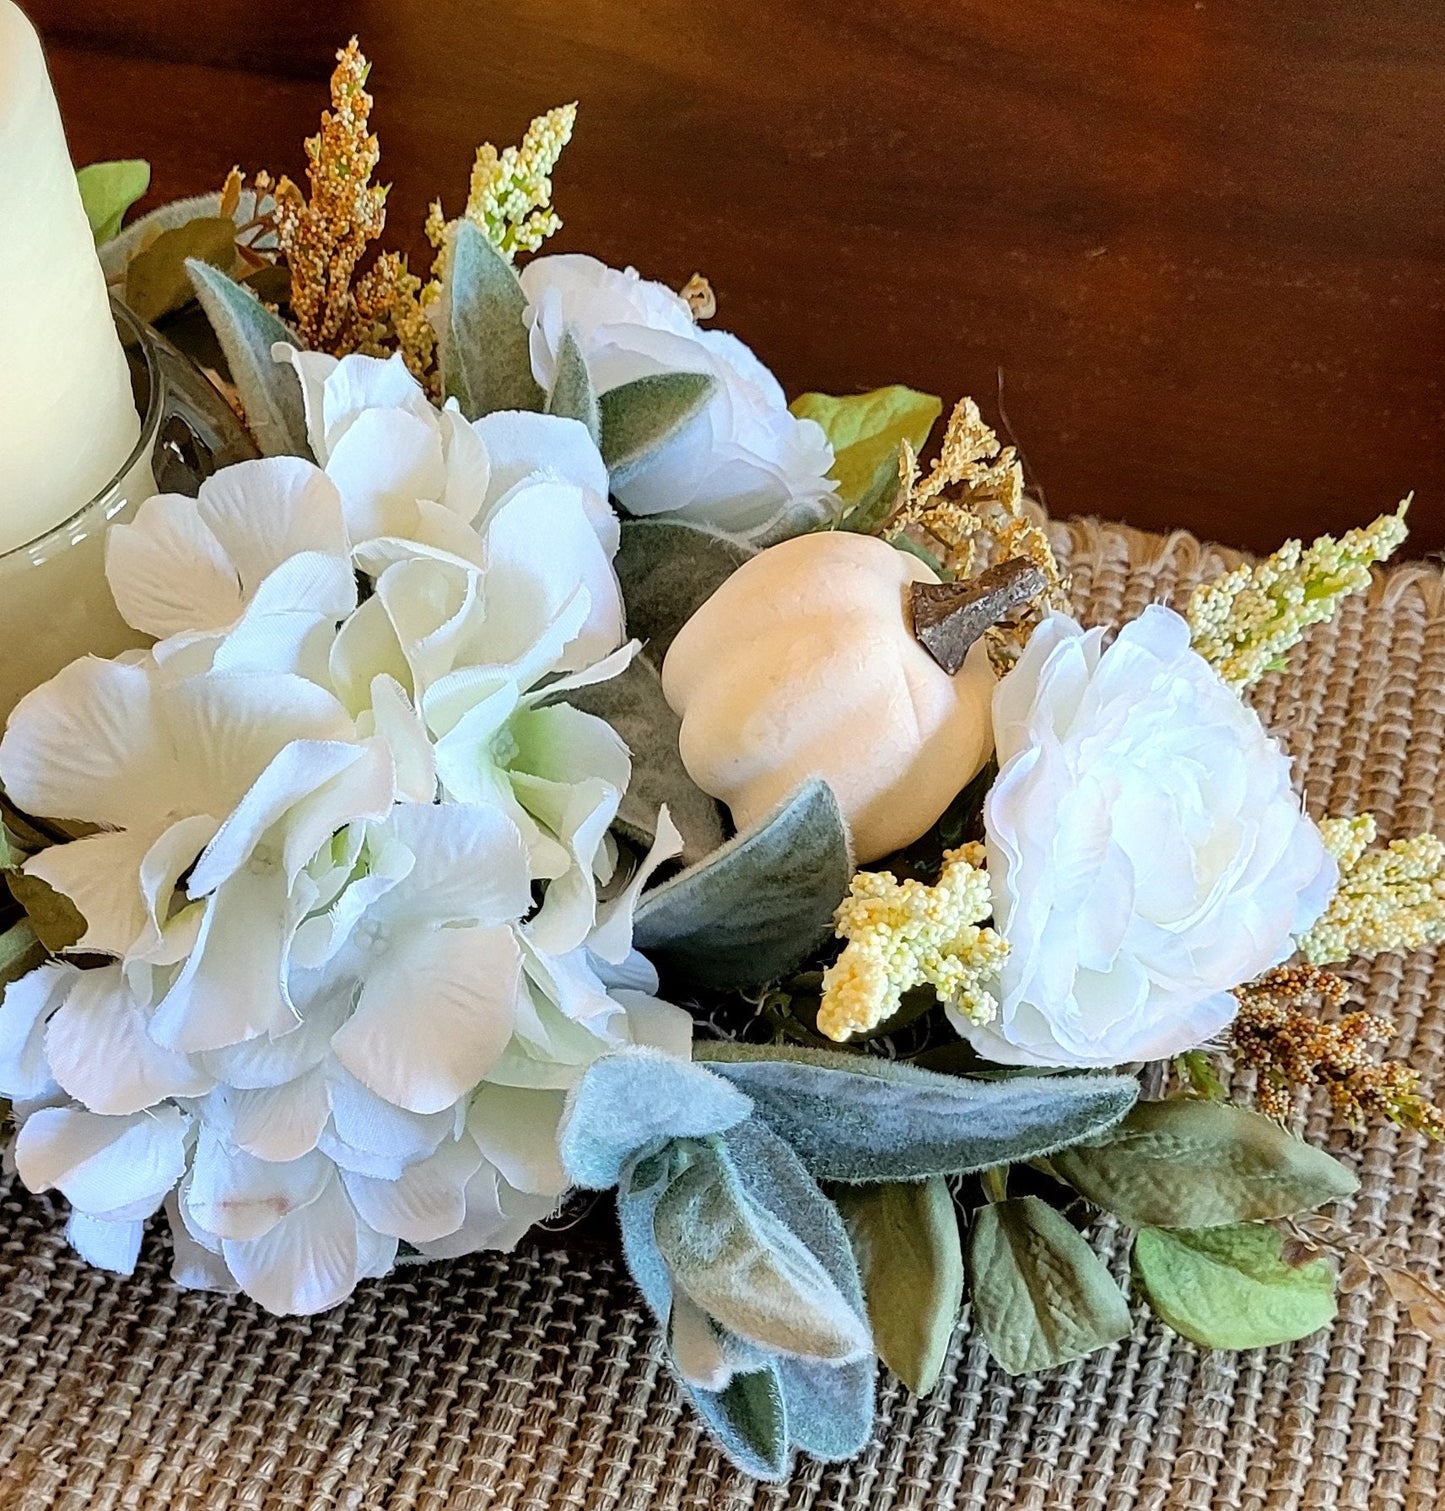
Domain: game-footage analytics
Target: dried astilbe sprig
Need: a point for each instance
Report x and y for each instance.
(1291, 1048)
(905, 934)
(1244, 622)
(1390, 899)
(971, 508)
(700, 299)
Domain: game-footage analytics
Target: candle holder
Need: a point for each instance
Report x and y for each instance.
(55, 585)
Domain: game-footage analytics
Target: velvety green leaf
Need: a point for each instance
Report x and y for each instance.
(1231, 1287)
(862, 1118)
(485, 352)
(668, 570)
(1184, 1163)
(749, 1422)
(1041, 1296)
(269, 390)
(629, 1102)
(759, 906)
(641, 1185)
(108, 190)
(20, 953)
(866, 432)
(747, 1270)
(829, 1406)
(156, 280)
(905, 1235)
(634, 706)
(57, 922)
(641, 417)
(9, 854)
(572, 394)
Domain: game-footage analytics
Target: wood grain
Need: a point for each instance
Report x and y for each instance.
(1192, 249)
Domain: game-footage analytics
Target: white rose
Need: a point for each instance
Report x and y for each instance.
(747, 465)
(1146, 849)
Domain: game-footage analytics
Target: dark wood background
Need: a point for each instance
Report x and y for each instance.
(1193, 249)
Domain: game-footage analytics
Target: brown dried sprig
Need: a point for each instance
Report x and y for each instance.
(1290, 1048)
(970, 510)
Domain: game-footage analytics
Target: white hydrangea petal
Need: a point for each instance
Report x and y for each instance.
(434, 1014)
(233, 1194)
(193, 1266)
(25, 1009)
(611, 940)
(101, 876)
(320, 938)
(357, 384)
(579, 814)
(307, 1262)
(522, 445)
(168, 573)
(384, 461)
(276, 1123)
(367, 647)
(114, 1167)
(161, 869)
(434, 607)
(498, 1218)
(267, 511)
(589, 676)
(471, 867)
(655, 1024)
(88, 745)
(468, 464)
(517, 1131)
(375, 1252)
(372, 1136)
(101, 1052)
(322, 1003)
(398, 723)
(312, 370)
(427, 1202)
(113, 1246)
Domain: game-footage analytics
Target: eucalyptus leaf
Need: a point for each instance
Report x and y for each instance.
(1185, 1163)
(668, 570)
(57, 922)
(1041, 1296)
(642, 417)
(829, 1406)
(866, 432)
(1231, 1287)
(635, 1101)
(108, 190)
(749, 1420)
(862, 1118)
(269, 390)
(746, 1269)
(757, 907)
(572, 394)
(156, 281)
(485, 350)
(633, 704)
(906, 1237)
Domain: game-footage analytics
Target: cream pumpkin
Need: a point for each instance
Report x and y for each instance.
(804, 664)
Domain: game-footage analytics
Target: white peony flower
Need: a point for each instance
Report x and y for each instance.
(1146, 849)
(746, 465)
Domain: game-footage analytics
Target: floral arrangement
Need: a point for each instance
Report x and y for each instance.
(560, 764)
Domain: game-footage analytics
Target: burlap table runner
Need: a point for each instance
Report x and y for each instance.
(535, 1381)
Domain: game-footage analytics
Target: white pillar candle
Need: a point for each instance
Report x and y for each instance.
(67, 417)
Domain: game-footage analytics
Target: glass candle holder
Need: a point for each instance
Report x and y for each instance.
(55, 603)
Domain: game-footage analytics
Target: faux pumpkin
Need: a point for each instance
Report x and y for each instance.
(804, 663)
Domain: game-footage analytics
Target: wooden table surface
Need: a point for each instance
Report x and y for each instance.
(1194, 249)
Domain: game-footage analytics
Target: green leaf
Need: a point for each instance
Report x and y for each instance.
(668, 570)
(866, 431)
(20, 953)
(572, 394)
(905, 1235)
(270, 391)
(749, 1421)
(863, 1118)
(1041, 1296)
(759, 906)
(1185, 1163)
(634, 706)
(1232, 1287)
(156, 281)
(641, 417)
(108, 190)
(57, 922)
(747, 1270)
(485, 351)
(829, 1406)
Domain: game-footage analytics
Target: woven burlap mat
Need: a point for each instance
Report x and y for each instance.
(535, 1381)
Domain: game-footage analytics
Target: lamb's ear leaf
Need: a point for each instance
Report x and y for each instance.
(749, 1422)
(484, 347)
(1041, 1296)
(1187, 1163)
(760, 905)
(668, 570)
(906, 1237)
(641, 417)
(633, 704)
(1232, 1287)
(861, 1118)
(630, 1103)
(830, 1406)
(573, 396)
(269, 390)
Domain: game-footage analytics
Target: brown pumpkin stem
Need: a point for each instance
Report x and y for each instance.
(949, 616)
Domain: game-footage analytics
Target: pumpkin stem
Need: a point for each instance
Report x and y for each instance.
(949, 616)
